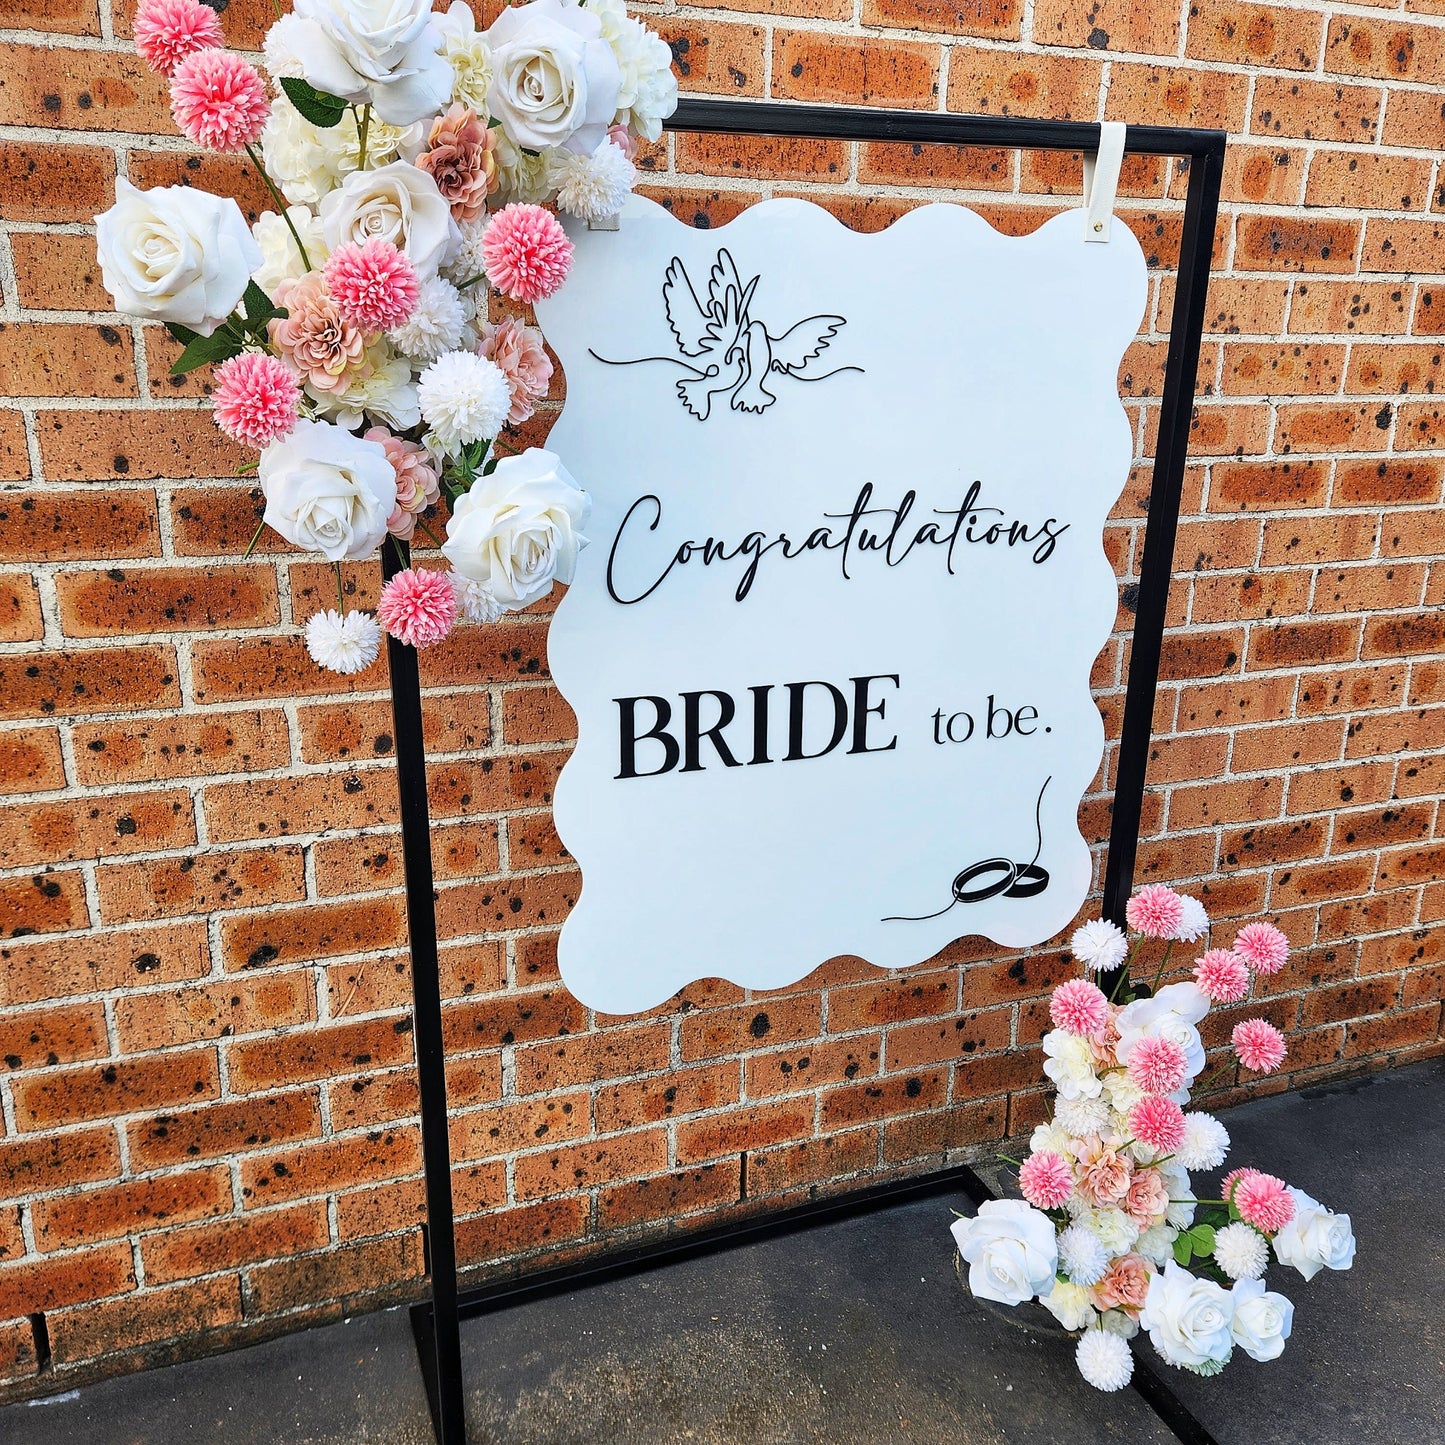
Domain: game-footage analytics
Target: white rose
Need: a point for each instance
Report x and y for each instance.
(328, 491)
(1171, 1014)
(280, 260)
(518, 530)
(381, 51)
(1011, 1250)
(1070, 1304)
(1069, 1062)
(1262, 1320)
(555, 80)
(175, 253)
(466, 51)
(1189, 1320)
(398, 203)
(1315, 1238)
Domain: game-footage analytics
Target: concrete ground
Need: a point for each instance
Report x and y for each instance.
(857, 1331)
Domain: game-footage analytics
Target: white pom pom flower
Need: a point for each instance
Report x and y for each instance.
(464, 398)
(1104, 1360)
(1099, 945)
(596, 186)
(1241, 1252)
(1195, 922)
(1082, 1255)
(1206, 1142)
(343, 644)
(435, 327)
(1080, 1117)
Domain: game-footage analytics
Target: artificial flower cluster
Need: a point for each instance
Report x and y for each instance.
(413, 161)
(1109, 1234)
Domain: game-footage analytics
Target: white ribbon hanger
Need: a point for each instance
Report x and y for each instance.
(1101, 181)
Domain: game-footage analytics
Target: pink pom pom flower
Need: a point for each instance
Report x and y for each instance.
(418, 607)
(1223, 975)
(219, 100)
(1155, 911)
(1262, 1200)
(1079, 1007)
(1157, 1065)
(166, 31)
(525, 252)
(255, 398)
(1262, 946)
(1259, 1045)
(1046, 1180)
(374, 285)
(1159, 1123)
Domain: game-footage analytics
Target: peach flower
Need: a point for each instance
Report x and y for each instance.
(1147, 1199)
(1124, 1285)
(417, 486)
(519, 352)
(316, 340)
(461, 157)
(1103, 1172)
(1106, 1041)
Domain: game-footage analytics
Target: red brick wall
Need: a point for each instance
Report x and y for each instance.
(209, 1120)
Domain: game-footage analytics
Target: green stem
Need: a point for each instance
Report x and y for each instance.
(280, 203)
(340, 596)
(1163, 964)
(471, 280)
(432, 535)
(255, 537)
(362, 126)
(400, 555)
(1009, 1159)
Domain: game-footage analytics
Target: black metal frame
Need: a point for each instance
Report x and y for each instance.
(436, 1322)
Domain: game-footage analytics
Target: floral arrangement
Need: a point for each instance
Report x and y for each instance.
(1109, 1235)
(415, 163)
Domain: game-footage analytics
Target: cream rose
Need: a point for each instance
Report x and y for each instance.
(1262, 1320)
(1011, 1251)
(1315, 1238)
(328, 491)
(398, 203)
(1189, 1320)
(175, 254)
(382, 51)
(517, 531)
(555, 80)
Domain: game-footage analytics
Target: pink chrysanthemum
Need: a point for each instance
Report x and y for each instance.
(374, 285)
(1079, 1007)
(1223, 975)
(1259, 1044)
(1235, 1176)
(1157, 1065)
(1262, 946)
(256, 397)
(1046, 1180)
(166, 31)
(418, 607)
(1157, 1122)
(1263, 1201)
(1155, 910)
(219, 100)
(525, 252)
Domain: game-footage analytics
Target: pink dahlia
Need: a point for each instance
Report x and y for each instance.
(1262, 946)
(1158, 1065)
(1263, 1201)
(417, 486)
(1148, 1197)
(166, 31)
(219, 100)
(418, 607)
(316, 339)
(1259, 1044)
(1046, 1180)
(374, 285)
(255, 399)
(1079, 1007)
(1157, 1122)
(525, 252)
(519, 352)
(1155, 910)
(1223, 975)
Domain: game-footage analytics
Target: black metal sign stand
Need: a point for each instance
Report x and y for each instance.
(436, 1322)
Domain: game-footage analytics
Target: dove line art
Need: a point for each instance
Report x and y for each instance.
(725, 350)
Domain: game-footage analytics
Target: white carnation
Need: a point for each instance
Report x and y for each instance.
(648, 93)
(1100, 945)
(1049, 1136)
(1069, 1062)
(343, 644)
(466, 51)
(1070, 1304)
(521, 175)
(1116, 1322)
(464, 398)
(1115, 1230)
(309, 163)
(1104, 1360)
(435, 327)
(596, 186)
(382, 388)
(1241, 1252)
(283, 47)
(1176, 1181)
(1195, 921)
(1206, 1142)
(1156, 1244)
(1121, 1091)
(1082, 1255)
(1080, 1117)
(280, 260)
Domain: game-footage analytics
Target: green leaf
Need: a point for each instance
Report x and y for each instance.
(1182, 1249)
(180, 333)
(1202, 1236)
(203, 350)
(322, 110)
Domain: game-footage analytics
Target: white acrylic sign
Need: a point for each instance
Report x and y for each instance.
(829, 648)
